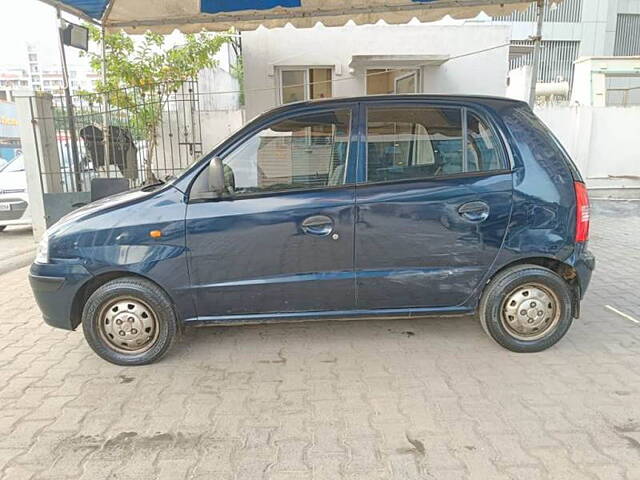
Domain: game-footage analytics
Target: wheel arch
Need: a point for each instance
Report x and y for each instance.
(96, 282)
(564, 270)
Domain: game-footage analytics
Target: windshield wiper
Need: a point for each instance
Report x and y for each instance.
(153, 186)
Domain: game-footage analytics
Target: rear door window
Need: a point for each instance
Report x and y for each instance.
(406, 143)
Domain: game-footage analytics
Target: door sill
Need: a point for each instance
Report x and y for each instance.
(384, 314)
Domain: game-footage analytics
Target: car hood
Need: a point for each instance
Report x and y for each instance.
(102, 205)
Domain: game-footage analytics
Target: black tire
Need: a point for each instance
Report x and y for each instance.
(150, 298)
(507, 284)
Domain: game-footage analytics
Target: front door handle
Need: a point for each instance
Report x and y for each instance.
(318, 225)
(476, 212)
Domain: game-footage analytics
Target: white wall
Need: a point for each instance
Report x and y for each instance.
(520, 83)
(482, 73)
(218, 90)
(603, 142)
(215, 126)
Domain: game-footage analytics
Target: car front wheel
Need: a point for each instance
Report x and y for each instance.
(129, 321)
(526, 308)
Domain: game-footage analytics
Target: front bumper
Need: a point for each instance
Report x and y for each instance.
(55, 285)
(18, 210)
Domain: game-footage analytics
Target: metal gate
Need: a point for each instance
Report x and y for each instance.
(125, 138)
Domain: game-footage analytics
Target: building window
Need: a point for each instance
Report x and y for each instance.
(623, 90)
(569, 11)
(627, 35)
(388, 81)
(557, 58)
(299, 84)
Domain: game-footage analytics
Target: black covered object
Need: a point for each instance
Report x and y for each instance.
(122, 151)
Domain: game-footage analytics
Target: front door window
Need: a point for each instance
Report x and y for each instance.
(297, 153)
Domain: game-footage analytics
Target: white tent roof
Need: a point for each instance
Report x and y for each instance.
(163, 16)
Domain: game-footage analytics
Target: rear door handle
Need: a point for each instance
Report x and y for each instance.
(318, 225)
(474, 211)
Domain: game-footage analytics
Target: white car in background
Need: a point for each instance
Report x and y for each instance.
(14, 202)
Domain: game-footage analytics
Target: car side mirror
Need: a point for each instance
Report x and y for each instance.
(216, 177)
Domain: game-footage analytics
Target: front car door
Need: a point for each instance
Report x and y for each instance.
(433, 204)
(281, 242)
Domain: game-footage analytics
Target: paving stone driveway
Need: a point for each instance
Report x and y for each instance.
(432, 399)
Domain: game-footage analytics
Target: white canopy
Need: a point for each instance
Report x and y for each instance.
(163, 16)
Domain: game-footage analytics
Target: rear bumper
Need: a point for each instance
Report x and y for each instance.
(585, 265)
(54, 287)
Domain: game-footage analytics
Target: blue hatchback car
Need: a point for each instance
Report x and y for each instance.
(390, 206)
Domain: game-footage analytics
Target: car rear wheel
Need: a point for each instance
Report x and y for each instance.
(129, 321)
(526, 308)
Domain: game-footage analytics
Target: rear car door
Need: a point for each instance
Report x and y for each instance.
(281, 242)
(433, 202)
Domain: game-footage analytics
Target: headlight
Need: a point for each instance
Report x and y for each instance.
(42, 254)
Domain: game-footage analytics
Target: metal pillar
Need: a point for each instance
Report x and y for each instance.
(69, 104)
(537, 45)
(106, 134)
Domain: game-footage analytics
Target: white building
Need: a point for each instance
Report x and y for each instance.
(288, 64)
(607, 82)
(40, 69)
(12, 79)
(574, 29)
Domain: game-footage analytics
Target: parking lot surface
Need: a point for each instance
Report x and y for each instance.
(431, 399)
(17, 248)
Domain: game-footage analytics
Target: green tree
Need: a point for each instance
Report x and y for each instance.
(142, 76)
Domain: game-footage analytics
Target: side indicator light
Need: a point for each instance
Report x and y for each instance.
(155, 233)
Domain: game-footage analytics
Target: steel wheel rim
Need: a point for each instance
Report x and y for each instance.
(128, 325)
(530, 312)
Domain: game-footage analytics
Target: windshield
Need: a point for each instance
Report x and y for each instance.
(15, 165)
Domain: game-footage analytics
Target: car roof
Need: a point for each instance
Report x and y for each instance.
(480, 100)
(477, 99)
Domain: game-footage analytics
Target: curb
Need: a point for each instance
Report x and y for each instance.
(18, 261)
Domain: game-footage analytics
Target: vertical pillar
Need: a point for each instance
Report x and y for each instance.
(39, 147)
(75, 154)
(106, 133)
(537, 45)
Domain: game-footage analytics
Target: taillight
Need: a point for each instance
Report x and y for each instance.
(582, 212)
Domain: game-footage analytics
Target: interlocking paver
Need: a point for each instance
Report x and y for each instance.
(396, 399)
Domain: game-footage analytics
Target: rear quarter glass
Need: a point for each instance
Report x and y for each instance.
(544, 134)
